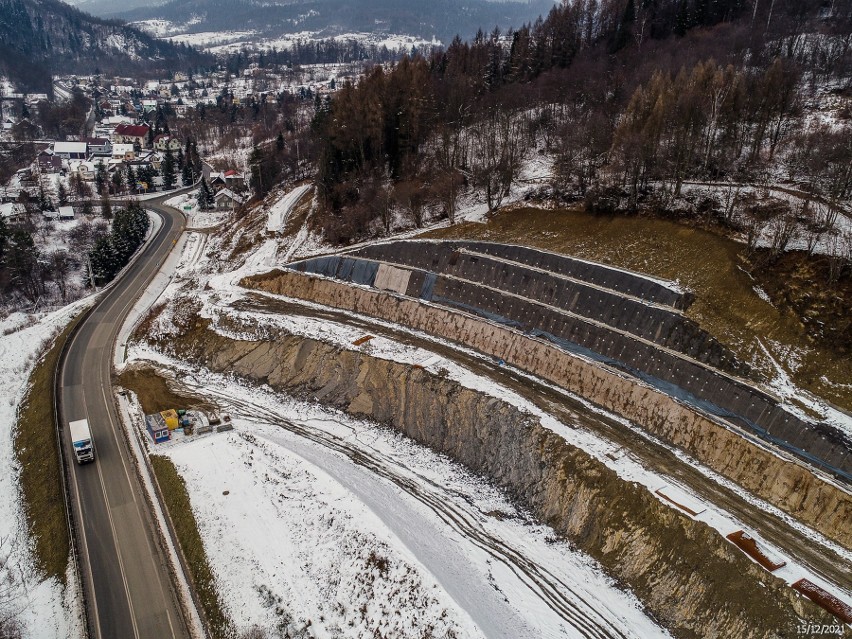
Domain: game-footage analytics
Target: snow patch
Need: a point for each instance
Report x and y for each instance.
(45, 609)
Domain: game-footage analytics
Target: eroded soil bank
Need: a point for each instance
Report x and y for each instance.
(689, 578)
(789, 486)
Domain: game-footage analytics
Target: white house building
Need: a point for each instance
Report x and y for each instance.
(70, 150)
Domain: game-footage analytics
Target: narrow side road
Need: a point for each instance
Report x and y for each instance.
(127, 585)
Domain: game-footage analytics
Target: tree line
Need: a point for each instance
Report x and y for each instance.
(630, 98)
(112, 252)
(32, 274)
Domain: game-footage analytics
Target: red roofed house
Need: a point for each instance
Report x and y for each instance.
(131, 134)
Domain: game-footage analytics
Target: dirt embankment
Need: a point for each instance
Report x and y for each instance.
(789, 486)
(687, 575)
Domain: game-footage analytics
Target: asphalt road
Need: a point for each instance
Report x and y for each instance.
(127, 585)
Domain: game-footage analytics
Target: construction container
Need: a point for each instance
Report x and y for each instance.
(171, 418)
(156, 427)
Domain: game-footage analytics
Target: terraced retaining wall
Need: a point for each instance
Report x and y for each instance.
(689, 380)
(793, 488)
(650, 317)
(436, 252)
(689, 578)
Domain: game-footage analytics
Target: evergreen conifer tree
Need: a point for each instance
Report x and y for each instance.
(106, 207)
(167, 170)
(101, 178)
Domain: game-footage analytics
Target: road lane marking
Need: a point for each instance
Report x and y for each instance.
(118, 554)
(85, 544)
(136, 287)
(97, 626)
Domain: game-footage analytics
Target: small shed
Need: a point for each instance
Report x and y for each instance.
(157, 428)
(66, 213)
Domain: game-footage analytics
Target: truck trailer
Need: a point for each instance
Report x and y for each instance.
(81, 440)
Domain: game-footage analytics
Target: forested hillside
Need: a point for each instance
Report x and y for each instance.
(624, 100)
(43, 37)
(436, 18)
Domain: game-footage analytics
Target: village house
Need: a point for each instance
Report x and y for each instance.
(123, 152)
(131, 134)
(70, 150)
(99, 146)
(87, 170)
(48, 163)
(165, 142)
(13, 212)
(227, 200)
(217, 181)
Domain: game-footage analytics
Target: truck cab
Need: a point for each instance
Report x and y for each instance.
(81, 440)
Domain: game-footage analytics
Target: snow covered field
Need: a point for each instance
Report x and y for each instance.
(232, 41)
(45, 609)
(313, 519)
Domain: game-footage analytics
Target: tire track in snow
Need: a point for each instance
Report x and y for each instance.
(555, 592)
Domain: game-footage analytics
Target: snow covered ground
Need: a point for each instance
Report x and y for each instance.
(312, 480)
(313, 518)
(627, 468)
(46, 610)
(839, 241)
(55, 236)
(187, 203)
(232, 41)
(280, 211)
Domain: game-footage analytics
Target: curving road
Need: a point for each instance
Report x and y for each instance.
(127, 585)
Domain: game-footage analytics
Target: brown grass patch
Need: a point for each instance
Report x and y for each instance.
(37, 455)
(186, 528)
(156, 392)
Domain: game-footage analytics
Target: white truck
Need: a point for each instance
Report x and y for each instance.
(81, 439)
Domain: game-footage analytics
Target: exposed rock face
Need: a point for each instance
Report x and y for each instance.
(791, 487)
(693, 581)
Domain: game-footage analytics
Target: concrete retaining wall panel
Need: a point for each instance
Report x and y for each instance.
(391, 278)
(656, 324)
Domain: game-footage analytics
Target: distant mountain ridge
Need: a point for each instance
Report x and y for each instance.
(425, 19)
(39, 38)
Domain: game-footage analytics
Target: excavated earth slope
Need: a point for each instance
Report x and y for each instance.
(689, 578)
(789, 486)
